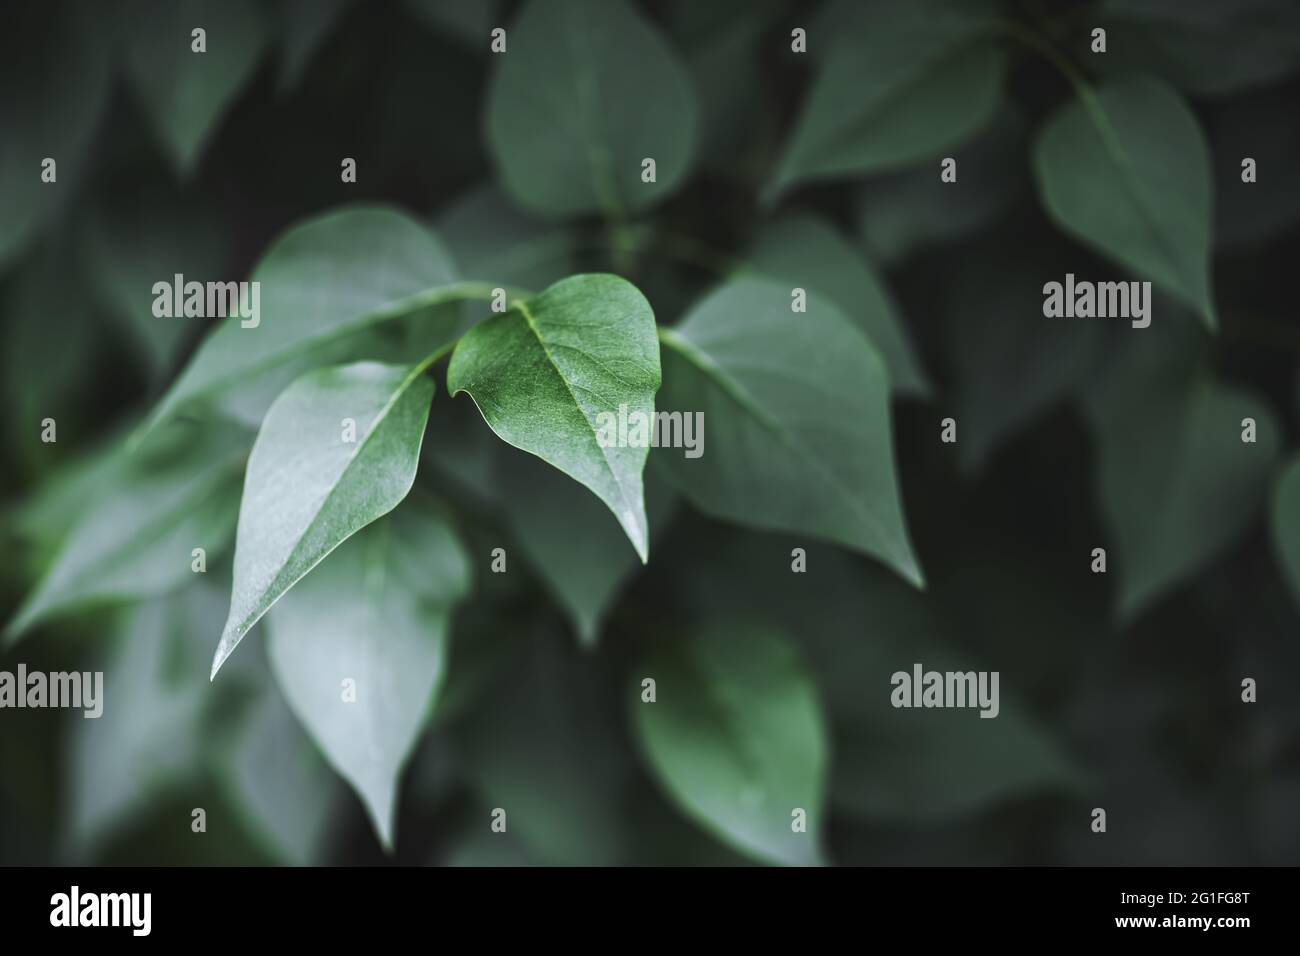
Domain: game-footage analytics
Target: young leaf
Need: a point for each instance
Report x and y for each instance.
(1128, 171)
(797, 411)
(560, 125)
(337, 450)
(186, 92)
(324, 280)
(808, 252)
(376, 613)
(138, 538)
(737, 738)
(547, 373)
(899, 83)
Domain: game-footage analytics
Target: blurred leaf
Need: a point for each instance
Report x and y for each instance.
(132, 240)
(808, 252)
(900, 212)
(559, 126)
(468, 21)
(899, 83)
(322, 281)
(576, 549)
(737, 738)
(797, 407)
(545, 748)
(493, 241)
(1011, 364)
(148, 738)
(1128, 172)
(282, 787)
(1176, 481)
(1286, 523)
(723, 46)
(856, 626)
(137, 539)
(310, 486)
(55, 71)
(306, 25)
(376, 612)
(184, 92)
(1203, 46)
(50, 351)
(544, 377)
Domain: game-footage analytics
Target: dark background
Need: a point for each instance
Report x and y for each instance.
(1145, 712)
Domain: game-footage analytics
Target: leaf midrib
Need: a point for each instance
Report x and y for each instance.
(377, 424)
(734, 390)
(604, 453)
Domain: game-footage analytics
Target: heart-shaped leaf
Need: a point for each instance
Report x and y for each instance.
(899, 82)
(1127, 170)
(808, 252)
(375, 613)
(588, 90)
(797, 414)
(337, 450)
(547, 373)
(1176, 480)
(737, 738)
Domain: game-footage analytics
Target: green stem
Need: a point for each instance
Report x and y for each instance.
(1082, 88)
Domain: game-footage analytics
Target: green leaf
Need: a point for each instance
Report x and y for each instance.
(856, 626)
(185, 93)
(737, 738)
(561, 124)
(1012, 364)
(137, 539)
(135, 238)
(545, 373)
(306, 24)
(308, 489)
(901, 212)
(1128, 172)
(797, 413)
(323, 282)
(1286, 524)
(808, 252)
(492, 240)
(546, 747)
(899, 83)
(1176, 481)
(149, 737)
(55, 79)
(279, 784)
(1183, 41)
(376, 613)
(468, 21)
(570, 540)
